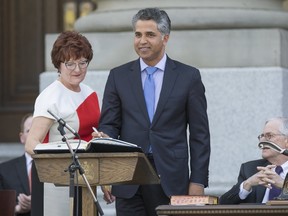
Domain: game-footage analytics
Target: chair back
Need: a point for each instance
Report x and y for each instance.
(7, 202)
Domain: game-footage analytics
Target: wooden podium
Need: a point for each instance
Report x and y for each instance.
(100, 169)
(223, 210)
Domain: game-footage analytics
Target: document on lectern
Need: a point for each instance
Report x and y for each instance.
(99, 145)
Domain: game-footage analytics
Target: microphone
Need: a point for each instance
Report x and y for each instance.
(63, 123)
(273, 146)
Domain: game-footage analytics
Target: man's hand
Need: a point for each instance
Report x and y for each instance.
(98, 134)
(257, 178)
(196, 189)
(271, 177)
(108, 197)
(24, 203)
(265, 177)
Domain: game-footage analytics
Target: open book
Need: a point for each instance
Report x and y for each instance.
(95, 145)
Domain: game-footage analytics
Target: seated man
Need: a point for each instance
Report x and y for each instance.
(257, 178)
(14, 174)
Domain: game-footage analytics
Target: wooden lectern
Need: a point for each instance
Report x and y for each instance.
(100, 169)
(7, 202)
(223, 210)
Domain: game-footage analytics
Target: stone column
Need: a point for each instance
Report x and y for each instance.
(240, 47)
(217, 30)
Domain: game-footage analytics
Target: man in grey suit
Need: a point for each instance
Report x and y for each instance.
(178, 102)
(14, 174)
(257, 177)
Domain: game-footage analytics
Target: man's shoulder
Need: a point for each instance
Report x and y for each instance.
(179, 64)
(258, 162)
(11, 162)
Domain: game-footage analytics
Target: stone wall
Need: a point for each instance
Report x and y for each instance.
(241, 49)
(239, 102)
(10, 150)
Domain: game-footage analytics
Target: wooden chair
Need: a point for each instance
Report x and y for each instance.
(7, 202)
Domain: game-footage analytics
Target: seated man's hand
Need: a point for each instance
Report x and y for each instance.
(271, 177)
(258, 178)
(24, 203)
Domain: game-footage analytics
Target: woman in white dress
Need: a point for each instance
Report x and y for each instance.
(68, 98)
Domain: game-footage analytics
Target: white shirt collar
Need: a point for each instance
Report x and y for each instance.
(285, 167)
(28, 158)
(160, 65)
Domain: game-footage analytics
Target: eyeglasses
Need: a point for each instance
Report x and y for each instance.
(72, 65)
(269, 136)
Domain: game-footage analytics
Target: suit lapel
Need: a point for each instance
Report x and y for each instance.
(22, 173)
(169, 79)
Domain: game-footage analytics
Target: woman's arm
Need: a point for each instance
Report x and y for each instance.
(39, 128)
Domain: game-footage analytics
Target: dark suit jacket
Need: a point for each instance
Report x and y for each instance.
(13, 176)
(247, 170)
(182, 102)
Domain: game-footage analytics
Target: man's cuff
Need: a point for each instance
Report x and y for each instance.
(243, 193)
(198, 184)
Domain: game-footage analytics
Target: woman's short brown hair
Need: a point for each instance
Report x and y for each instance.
(70, 45)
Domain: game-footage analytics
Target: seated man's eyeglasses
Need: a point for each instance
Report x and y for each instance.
(269, 136)
(72, 65)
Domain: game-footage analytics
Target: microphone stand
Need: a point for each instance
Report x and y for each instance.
(75, 165)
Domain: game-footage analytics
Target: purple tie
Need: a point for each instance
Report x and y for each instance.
(275, 192)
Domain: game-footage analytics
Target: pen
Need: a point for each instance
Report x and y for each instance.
(95, 130)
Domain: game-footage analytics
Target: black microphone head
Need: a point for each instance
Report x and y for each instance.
(285, 152)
